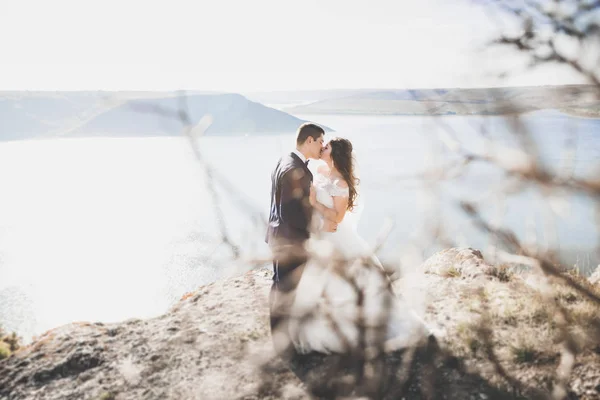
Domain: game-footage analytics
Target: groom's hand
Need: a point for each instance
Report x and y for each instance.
(329, 226)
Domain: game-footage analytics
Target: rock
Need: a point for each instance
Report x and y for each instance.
(78, 361)
(205, 356)
(458, 262)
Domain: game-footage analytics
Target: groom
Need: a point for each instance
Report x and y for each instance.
(290, 217)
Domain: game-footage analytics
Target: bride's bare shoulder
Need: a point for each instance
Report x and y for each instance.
(322, 169)
(342, 183)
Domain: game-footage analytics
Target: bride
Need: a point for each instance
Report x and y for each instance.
(343, 286)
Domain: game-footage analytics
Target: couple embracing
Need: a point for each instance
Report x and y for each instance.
(327, 286)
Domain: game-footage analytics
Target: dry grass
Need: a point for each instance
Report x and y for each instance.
(503, 272)
(524, 353)
(468, 340)
(107, 396)
(9, 343)
(4, 350)
(519, 323)
(187, 295)
(452, 272)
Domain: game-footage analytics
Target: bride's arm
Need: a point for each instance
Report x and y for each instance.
(327, 225)
(337, 213)
(340, 205)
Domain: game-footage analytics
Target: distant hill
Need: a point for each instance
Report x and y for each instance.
(28, 115)
(280, 99)
(32, 114)
(574, 99)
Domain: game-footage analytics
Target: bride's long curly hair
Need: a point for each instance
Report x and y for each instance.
(343, 160)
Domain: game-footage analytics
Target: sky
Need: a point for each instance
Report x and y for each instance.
(258, 45)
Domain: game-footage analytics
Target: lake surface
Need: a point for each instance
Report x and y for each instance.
(106, 229)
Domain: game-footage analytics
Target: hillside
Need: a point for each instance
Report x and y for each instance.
(575, 99)
(215, 344)
(230, 113)
(27, 115)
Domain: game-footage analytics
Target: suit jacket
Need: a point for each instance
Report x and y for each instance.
(290, 213)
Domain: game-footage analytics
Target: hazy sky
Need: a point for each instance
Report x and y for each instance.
(243, 45)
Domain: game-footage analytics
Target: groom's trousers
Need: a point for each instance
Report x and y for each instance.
(288, 265)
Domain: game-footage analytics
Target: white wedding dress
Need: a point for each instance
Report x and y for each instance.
(325, 315)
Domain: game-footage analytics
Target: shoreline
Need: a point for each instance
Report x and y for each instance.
(369, 114)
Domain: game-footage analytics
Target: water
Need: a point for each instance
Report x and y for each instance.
(106, 229)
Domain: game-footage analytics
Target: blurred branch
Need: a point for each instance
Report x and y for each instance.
(182, 113)
(510, 240)
(576, 22)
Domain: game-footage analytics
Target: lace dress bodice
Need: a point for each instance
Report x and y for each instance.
(327, 189)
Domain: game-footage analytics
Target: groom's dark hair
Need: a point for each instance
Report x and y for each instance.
(308, 129)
